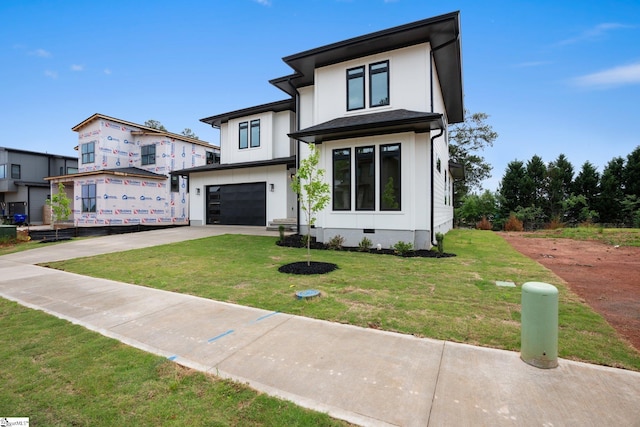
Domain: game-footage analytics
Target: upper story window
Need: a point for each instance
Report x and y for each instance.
(88, 152)
(379, 84)
(249, 134)
(255, 133)
(148, 154)
(244, 135)
(355, 88)
(15, 171)
(211, 158)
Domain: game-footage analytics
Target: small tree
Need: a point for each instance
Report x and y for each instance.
(60, 207)
(312, 191)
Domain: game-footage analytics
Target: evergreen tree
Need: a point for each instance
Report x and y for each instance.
(587, 184)
(559, 183)
(612, 194)
(631, 174)
(535, 183)
(512, 187)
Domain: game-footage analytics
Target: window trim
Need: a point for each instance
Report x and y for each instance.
(373, 72)
(148, 158)
(335, 179)
(86, 155)
(382, 184)
(360, 75)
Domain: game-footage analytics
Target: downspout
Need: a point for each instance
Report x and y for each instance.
(297, 148)
(431, 62)
(433, 198)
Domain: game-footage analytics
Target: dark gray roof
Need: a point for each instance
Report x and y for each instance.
(443, 32)
(284, 105)
(385, 122)
(226, 166)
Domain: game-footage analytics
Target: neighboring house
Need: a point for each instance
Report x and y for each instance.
(377, 107)
(124, 171)
(23, 187)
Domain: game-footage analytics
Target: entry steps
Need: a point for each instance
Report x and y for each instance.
(290, 224)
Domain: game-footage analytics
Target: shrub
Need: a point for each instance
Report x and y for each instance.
(513, 224)
(364, 245)
(281, 232)
(403, 248)
(440, 241)
(483, 224)
(554, 224)
(336, 242)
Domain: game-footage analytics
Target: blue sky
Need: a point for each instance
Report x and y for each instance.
(554, 76)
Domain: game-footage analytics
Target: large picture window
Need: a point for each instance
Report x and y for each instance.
(148, 154)
(390, 183)
(342, 179)
(355, 88)
(89, 198)
(88, 152)
(365, 179)
(379, 84)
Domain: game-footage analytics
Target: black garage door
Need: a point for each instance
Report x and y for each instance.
(237, 204)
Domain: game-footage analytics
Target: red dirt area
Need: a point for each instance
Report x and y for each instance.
(606, 277)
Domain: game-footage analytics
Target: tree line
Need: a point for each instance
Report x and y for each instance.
(539, 193)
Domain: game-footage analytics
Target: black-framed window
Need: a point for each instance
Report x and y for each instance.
(243, 141)
(365, 179)
(355, 88)
(211, 158)
(390, 177)
(255, 133)
(175, 183)
(379, 84)
(88, 198)
(15, 171)
(88, 152)
(148, 154)
(342, 179)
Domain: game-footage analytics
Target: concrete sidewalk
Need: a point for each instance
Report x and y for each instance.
(364, 376)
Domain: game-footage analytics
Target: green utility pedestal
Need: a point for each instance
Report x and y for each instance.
(539, 325)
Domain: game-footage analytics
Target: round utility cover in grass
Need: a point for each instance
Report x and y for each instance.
(303, 267)
(307, 293)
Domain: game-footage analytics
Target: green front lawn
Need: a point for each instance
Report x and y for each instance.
(451, 298)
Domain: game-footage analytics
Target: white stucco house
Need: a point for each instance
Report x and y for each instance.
(377, 107)
(124, 174)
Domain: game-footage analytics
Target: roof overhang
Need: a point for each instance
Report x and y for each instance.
(394, 121)
(442, 32)
(276, 107)
(289, 161)
(122, 172)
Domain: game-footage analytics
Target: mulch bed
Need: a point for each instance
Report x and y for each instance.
(312, 267)
(297, 241)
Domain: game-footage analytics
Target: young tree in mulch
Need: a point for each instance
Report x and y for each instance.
(312, 191)
(60, 207)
